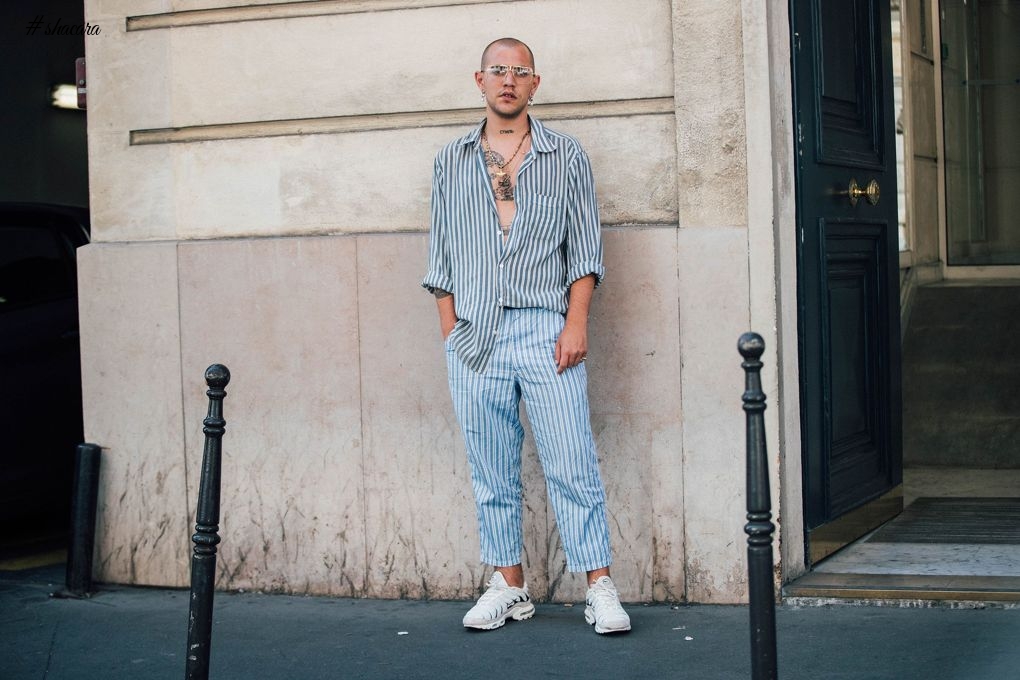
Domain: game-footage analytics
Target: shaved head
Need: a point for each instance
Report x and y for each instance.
(507, 42)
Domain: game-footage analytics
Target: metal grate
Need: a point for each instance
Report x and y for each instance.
(954, 520)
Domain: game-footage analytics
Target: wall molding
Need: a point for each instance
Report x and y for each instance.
(282, 10)
(417, 231)
(393, 121)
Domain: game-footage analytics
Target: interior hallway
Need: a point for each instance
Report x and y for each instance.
(958, 537)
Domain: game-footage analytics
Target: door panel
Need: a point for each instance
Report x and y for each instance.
(848, 266)
(855, 266)
(850, 132)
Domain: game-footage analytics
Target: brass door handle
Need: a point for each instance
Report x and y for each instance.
(872, 192)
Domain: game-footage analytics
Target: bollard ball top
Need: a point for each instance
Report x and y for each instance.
(217, 376)
(751, 345)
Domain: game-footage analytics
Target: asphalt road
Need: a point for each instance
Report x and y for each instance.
(141, 633)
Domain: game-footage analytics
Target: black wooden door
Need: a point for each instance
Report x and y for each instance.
(848, 268)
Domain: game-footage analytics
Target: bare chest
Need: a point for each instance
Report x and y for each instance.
(502, 162)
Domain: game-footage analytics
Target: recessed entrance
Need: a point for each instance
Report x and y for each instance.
(959, 174)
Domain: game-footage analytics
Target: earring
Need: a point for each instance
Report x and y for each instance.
(483, 95)
(531, 99)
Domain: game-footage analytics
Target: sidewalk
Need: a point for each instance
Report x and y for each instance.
(140, 633)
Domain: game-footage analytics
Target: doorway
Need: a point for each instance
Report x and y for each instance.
(959, 535)
(960, 430)
(960, 426)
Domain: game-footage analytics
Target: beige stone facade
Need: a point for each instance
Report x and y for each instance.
(259, 189)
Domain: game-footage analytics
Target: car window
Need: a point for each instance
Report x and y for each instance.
(33, 267)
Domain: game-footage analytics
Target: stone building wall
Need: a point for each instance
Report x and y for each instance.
(259, 188)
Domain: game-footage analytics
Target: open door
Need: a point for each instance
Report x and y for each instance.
(848, 269)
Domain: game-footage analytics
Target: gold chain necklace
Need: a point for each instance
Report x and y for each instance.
(504, 189)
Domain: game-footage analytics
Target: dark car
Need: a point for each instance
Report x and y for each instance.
(40, 367)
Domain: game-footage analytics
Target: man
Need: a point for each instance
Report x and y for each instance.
(515, 253)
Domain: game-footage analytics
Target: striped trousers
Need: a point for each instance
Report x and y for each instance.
(488, 408)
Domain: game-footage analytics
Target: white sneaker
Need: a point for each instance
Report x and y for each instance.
(603, 608)
(499, 602)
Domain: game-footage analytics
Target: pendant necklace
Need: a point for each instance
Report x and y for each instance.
(504, 189)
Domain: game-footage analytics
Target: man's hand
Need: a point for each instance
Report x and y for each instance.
(571, 346)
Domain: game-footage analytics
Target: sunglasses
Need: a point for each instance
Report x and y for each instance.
(500, 70)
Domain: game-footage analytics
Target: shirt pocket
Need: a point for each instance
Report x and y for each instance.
(545, 218)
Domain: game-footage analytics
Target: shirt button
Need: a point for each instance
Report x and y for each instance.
(500, 266)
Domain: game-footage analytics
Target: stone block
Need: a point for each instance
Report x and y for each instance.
(713, 286)
(343, 183)
(132, 192)
(131, 387)
(419, 510)
(922, 128)
(923, 212)
(282, 315)
(709, 95)
(635, 392)
(223, 70)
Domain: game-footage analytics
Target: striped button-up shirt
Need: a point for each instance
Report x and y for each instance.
(554, 240)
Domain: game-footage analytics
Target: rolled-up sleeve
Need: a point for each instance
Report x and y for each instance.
(584, 230)
(439, 267)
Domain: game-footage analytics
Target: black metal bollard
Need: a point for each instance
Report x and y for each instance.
(759, 527)
(84, 500)
(207, 519)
